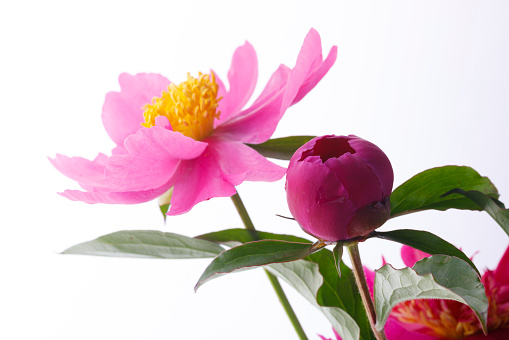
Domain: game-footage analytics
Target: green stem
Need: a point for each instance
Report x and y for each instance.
(360, 279)
(248, 224)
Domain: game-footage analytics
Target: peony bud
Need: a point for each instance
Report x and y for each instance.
(338, 187)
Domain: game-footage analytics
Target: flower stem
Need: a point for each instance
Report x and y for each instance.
(248, 224)
(360, 279)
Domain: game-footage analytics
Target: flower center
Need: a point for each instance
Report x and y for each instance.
(453, 320)
(190, 106)
(441, 318)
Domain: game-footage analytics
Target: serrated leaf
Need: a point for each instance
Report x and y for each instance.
(492, 206)
(147, 244)
(305, 278)
(424, 190)
(234, 237)
(435, 277)
(254, 254)
(426, 242)
(281, 148)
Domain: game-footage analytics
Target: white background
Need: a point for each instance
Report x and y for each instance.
(428, 82)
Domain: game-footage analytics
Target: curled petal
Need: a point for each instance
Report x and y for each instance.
(198, 180)
(357, 177)
(239, 163)
(122, 111)
(257, 123)
(88, 174)
(242, 78)
(153, 157)
(320, 209)
(309, 69)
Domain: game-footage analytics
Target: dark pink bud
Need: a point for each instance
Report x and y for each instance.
(338, 187)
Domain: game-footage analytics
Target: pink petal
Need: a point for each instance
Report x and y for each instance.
(129, 197)
(502, 271)
(242, 78)
(370, 279)
(122, 111)
(153, 157)
(376, 160)
(358, 178)
(500, 334)
(319, 73)
(395, 331)
(198, 180)
(239, 163)
(411, 255)
(308, 70)
(89, 174)
(257, 123)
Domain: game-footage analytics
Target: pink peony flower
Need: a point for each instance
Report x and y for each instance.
(446, 319)
(338, 187)
(190, 137)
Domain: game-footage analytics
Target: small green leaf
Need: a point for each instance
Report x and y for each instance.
(424, 190)
(234, 237)
(254, 254)
(338, 254)
(306, 279)
(435, 277)
(164, 209)
(281, 148)
(492, 206)
(147, 244)
(426, 242)
(164, 202)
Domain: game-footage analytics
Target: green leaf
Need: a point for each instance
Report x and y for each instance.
(341, 291)
(281, 148)
(426, 242)
(424, 190)
(234, 237)
(333, 292)
(435, 277)
(338, 254)
(164, 209)
(147, 244)
(492, 206)
(254, 254)
(164, 202)
(305, 278)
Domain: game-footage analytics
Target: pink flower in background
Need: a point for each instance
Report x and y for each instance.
(190, 137)
(446, 319)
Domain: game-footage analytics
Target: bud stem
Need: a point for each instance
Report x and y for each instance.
(360, 279)
(248, 224)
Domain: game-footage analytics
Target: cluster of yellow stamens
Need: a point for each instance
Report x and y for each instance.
(190, 106)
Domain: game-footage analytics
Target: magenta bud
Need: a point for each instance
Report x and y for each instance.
(338, 187)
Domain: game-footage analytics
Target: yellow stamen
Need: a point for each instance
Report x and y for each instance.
(190, 106)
